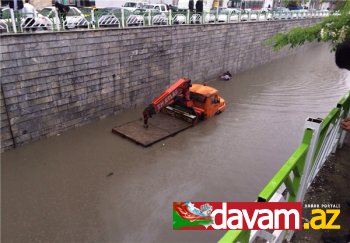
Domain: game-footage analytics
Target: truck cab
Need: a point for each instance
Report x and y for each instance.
(208, 99)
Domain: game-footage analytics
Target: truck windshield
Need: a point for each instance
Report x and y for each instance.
(197, 97)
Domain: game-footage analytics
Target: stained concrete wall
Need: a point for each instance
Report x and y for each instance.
(56, 81)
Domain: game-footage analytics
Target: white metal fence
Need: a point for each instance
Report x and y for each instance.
(15, 21)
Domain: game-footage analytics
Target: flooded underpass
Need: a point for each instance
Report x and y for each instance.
(89, 185)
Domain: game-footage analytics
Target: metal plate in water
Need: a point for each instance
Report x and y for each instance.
(160, 127)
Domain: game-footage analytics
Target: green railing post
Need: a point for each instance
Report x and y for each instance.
(241, 236)
(313, 125)
(344, 104)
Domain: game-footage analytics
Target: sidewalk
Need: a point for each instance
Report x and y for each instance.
(331, 186)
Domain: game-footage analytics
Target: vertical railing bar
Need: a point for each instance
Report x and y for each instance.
(13, 20)
(315, 125)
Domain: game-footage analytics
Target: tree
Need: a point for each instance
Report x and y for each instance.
(334, 29)
(289, 3)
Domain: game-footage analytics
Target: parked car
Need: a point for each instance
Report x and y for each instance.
(40, 22)
(278, 15)
(133, 5)
(253, 15)
(196, 19)
(137, 18)
(87, 12)
(269, 15)
(244, 15)
(4, 19)
(262, 15)
(180, 18)
(303, 13)
(107, 17)
(228, 14)
(210, 17)
(158, 7)
(294, 14)
(149, 16)
(325, 13)
(74, 19)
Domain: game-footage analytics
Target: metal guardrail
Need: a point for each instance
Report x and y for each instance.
(120, 18)
(321, 138)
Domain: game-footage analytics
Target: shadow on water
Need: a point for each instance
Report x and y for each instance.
(57, 189)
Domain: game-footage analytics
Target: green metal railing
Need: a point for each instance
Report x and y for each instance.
(321, 137)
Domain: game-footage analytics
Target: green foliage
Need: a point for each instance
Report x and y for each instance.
(292, 3)
(339, 5)
(334, 29)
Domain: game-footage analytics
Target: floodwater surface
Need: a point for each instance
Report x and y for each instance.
(61, 189)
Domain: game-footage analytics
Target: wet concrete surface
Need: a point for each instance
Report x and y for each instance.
(61, 189)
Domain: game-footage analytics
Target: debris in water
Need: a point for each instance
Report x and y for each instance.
(226, 76)
(110, 174)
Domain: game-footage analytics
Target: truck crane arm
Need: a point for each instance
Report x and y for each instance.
(180, 89)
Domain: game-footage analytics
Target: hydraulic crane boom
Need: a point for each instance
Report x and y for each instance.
(180, 90)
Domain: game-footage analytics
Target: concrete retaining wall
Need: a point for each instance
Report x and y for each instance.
(54, 81)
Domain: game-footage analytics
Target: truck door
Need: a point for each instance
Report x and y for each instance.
(213, 107)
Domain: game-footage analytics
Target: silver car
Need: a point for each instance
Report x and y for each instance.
(74, 18)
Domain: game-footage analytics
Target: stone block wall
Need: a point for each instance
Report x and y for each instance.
(55, 81)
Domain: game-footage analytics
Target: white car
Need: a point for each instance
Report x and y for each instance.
(209, 17)
(303, 13)
(181, 19)
(262, 16)
(5, 20)
(294, 14)
(253, 15)
(195, 19)
(269, 15)
(74, 18)
(159, 19)
(280, 15)
(107, 17)
(40, 22)
(132, 6)
(142, 17)
(228, 14)
(137, 18)
(158, 7)
(244, 16)
(325, 13)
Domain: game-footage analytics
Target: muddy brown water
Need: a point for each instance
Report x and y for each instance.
(57, 189)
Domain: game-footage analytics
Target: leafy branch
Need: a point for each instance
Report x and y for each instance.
(334, 29)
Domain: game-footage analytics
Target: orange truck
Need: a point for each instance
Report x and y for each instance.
(186, 101)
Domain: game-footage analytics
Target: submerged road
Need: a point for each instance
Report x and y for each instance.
(57, 189)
